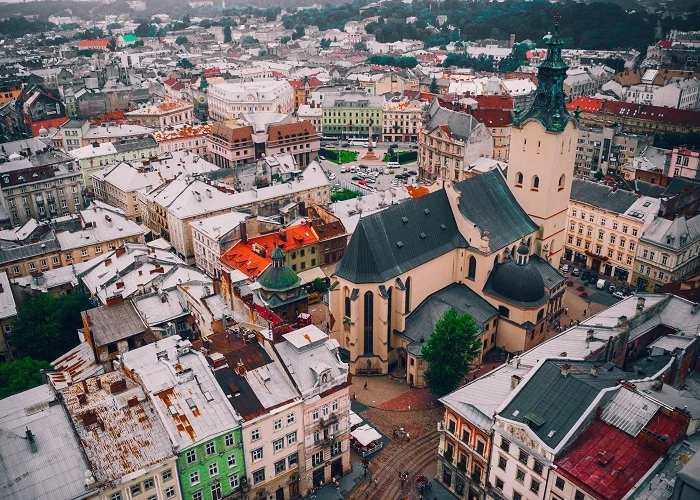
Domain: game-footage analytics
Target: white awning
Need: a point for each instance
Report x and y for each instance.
(311, 274)
(355, 419)
(366, 434)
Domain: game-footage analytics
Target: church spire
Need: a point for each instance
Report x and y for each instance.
(549, 106)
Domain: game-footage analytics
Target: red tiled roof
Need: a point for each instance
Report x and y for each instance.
(587, 104)
(93, 43)
(302, 129)
(626, 459)
(232, 134)
(494, 101)
(299, 84)
(212, 72)
(493, 117)
(665, 44)
(242, 256)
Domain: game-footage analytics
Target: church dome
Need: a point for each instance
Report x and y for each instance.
(43, 132)
(278, 277)
(518, 282)
(523, 249)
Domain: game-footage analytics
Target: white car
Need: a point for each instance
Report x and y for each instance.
(332, 176)
(618, 295)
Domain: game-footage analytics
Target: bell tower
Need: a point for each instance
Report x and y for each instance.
(542, 153)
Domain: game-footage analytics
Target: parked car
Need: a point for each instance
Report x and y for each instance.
(600, 285)
(575, 271)
(362, 183)
(612, 288)
(565, 268)
(332, 176)
(412, 172)
(618, 295)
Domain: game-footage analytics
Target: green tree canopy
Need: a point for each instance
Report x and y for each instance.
(299, 32)
(181, 40)
(46, 326)
(319, 285)
(450, 349)
(360, 47)
(434, 89)
(20, 375)
(227, 34)
(185, 63)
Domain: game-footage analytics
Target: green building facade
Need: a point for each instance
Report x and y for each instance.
(213, 469)
(349, 114)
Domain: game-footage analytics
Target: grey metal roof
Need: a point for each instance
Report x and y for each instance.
(400, 238)
(487, 201)
(112, 323)
(602, 196)
(459, 124)
(667, 233)
(679, 184)
(550, 275)
(56, 470)
(558, 401)
(16, 253)
(134, 144)
(629, 411)
(421, 322)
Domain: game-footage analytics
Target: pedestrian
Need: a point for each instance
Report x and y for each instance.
(353, 395)
(408, 437)
(337, 484)
(376, 482)
(365, 385)
(566, 310)
(584, 311)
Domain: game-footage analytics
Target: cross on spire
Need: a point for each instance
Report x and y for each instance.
(557, 18)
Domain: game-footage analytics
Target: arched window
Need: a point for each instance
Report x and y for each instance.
(562, 181)
(472, 268)
(535, 182)
(540, 315)
(346, 294)
(407, 296)
(369, 323)
(519, 179)
(389, 314)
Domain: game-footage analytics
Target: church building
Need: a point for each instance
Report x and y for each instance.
(488, 246)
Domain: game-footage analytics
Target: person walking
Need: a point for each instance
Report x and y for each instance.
(376, 482)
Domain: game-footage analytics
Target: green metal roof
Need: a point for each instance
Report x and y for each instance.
(278, 279)
(130, 38)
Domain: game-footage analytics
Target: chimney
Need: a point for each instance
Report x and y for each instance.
(621, 321)
(31, 440)
(1, 288)
(115, 299)
(85, 387)
(657, 386)
(98, 382)
(565, 368)
(120, 251)
(594, 371)
(82, 398)
(694, 310)
(515, 381)
(208, 191)
(133, 402)
(120, 285)
(640, 304)
(244, 233)
(108, 262)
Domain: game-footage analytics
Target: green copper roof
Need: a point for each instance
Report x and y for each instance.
(130, 38)
(549, 106)
(276, 279)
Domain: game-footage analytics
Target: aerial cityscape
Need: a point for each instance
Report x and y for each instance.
(393, 249)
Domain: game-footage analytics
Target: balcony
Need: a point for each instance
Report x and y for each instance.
(327, 421)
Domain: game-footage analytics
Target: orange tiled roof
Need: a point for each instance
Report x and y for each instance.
(417, 191)
(253, 257)
(232, 133)
(291, 130)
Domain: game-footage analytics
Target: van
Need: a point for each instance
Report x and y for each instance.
(392, 164)
(352, 170)
(600, 285)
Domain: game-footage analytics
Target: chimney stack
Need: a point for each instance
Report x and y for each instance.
(640, 304)
(565, 368)
(594, 371)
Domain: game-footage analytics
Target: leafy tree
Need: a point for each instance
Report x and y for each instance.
(114, 26)
(515, 59)
(285, 39)
(181, 40)
(360, 47)
(138, 43)
(185, 63)
(227, 34)
(449, 350)
(186, 20)
(142, 29)
(21, 375)
(326, 43)
(599, 175)
(669, 141)
(319, 285)
(112, 44)
(299, 32)
(46, 326)
(270, 14)
(434, 89)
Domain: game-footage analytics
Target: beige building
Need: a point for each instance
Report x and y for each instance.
(604, 225)
(402, 120)
(8, 313)
(213, 236)
(186, 137)
(165, 114)
(448, 142)
(668, 251)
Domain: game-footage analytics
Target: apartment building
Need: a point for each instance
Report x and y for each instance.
(604, 225)
(95, 157)
(188, 137)
(213, 236)
(313, 114)
(684, 163)
(230, 144)
(114, 132)
(8, 313)
(668, 252)
(70, 135)
(227, 101)
(311, 358)
(352, 113)
(40, 187)
(299, 139)
(119, 185)
(402, 120)
(163, 115)
(607, 149)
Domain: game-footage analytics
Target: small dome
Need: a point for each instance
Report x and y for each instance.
(43, 132)
(521, 283)
(278, 279)
(277, 253)
(523, 249)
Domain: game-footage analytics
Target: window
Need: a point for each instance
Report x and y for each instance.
(502, 462)
(517, 496)
(116, 496)
(213, 469)
(535, 182)
(535, 486)
(231, 461)
(229, 440)
(233, 481)
(559, 483)
(472, 268)
(519, 179)
(601, 235)
(278, 424)
(256, 454)
(216, 491)
(194, 478)
(325, 410)
(280, 466)
(524, 457)
(211, 448)
(499, 484)
(664, 259)
(315, 414)
(84, 252)
(520, 475)
(168, 475)
(612, 239)
(170, 492)
(278, 445)
(293, 459)
(255, 434)
(317, 459)
(317, 437)
(291, 438)
(197, 495)
(573, 212)
(634, 232)
(631, 245)
(334, 405)
(480, 447)
(259, 476)
(465, 436)
(149, 484)
(579, 495)
(191, 457)
(290, 419)
(505, 445)
(602, 221)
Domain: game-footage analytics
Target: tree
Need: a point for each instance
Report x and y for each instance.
(185, 63)
(181, 40)
(599, 175)
(142, 29)
(20, 375)
(112, 44)
(325, 43)
(299, 32)
(360, 47)
(186, 20)
(46, 326)
(270, 14)
(449, 350)
(319, 285)
(285, 39)
(227, 34)
(434, 89)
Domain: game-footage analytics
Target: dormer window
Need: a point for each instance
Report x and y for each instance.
(325, 377)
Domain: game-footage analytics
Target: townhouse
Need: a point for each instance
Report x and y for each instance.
(190, 138)
(163, 115)
(227, 101)
(401, 120)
